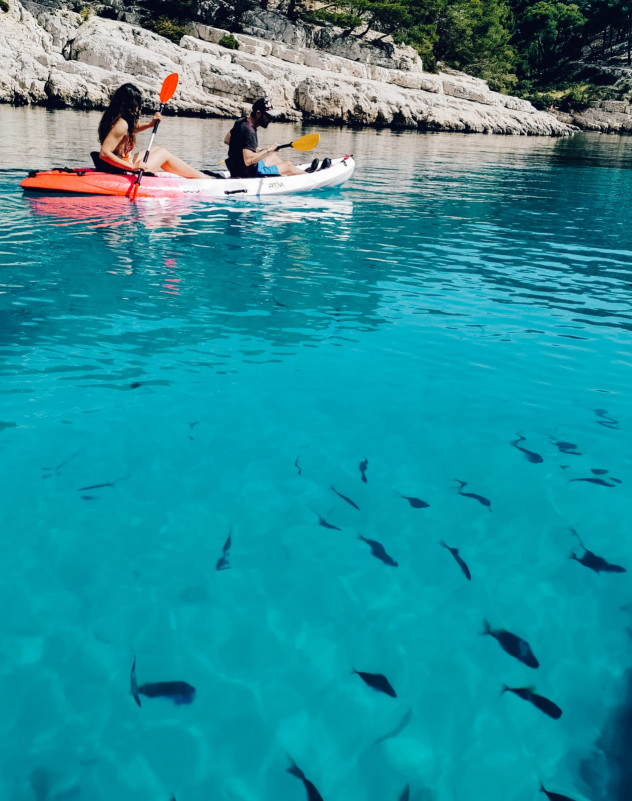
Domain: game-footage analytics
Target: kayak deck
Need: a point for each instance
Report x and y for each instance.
(166, 185)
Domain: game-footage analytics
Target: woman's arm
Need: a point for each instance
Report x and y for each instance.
(111, 142)
(227, 139)
(156, 118)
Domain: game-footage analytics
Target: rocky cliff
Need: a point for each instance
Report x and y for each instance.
(57, 58)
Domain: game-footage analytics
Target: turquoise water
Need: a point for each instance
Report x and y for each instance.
(219, 368)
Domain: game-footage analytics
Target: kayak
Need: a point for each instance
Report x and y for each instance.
(166, 185)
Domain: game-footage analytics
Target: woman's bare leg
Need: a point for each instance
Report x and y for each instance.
(162, 159)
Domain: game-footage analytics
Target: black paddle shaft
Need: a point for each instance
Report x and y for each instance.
(146, 156)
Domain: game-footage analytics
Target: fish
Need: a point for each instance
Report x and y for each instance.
(566, 447)
(322, 522)
(405, 794)
(416, 503)
(363, 468)
(607, 421)
(554, 796)
(377, 549)
(223, 563)
(297, 466)
(538, 701)
(403, 723)
(599, 481)
(378, 682)
(178, 691)
(455, 553)
(344, 498)
(105, 484)
(57, 469)
(592, 561)
(135, 385)
(312, 792)
(530, 456)
(191, 427)
(480, 498)
(512, 645)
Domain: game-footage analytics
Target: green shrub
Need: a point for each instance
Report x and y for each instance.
(576, 99)
(169, 28)
(85, 14)
(4, 6)
(229, 41)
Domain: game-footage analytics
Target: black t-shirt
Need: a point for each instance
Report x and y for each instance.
(243, 136)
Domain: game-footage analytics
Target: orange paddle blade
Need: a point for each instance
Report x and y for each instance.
(169, 86)
(307, 142)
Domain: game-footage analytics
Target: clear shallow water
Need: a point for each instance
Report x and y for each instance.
(460, 292)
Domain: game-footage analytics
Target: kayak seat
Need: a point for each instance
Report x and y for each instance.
(213, 174)
(103, 166)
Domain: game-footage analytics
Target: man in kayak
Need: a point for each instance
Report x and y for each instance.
(245, 158)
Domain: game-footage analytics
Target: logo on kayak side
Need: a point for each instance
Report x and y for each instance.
(276, 184)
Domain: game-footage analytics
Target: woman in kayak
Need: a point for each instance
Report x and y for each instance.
(117, 134)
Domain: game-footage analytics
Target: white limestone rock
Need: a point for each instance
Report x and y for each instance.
(54, 60)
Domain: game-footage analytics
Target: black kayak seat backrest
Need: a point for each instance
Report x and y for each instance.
(103, 166)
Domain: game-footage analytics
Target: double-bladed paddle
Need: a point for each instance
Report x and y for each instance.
(307, 142)
(169, 86)
(303, 143)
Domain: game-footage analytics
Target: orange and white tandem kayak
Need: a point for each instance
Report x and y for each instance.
(165, 185)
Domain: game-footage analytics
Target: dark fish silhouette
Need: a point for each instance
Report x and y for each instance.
(322, 522)
(178, 691)
(416, 503)
(512, 645)
(459, 561)
(602, 482)
(344, 498)
(378, 682)
(566, 447)
(405, 794)
(594, 562)
(297, 466)
(312, 792)
(363, 467)
(135, 385)
(606, 420)
(530, 456)
(377, 549)
(191, 427)
(403, 723)
(105, 484)
(554, 796)
(223, 563)
(538, 701)
(48, 471)
(480, 498)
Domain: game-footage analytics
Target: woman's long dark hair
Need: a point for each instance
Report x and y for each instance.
(125, 104)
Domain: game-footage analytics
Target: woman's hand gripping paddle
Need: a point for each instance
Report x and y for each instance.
(303, 143)
(169, 86)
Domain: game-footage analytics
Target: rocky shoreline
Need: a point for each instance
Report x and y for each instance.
(57, 58)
